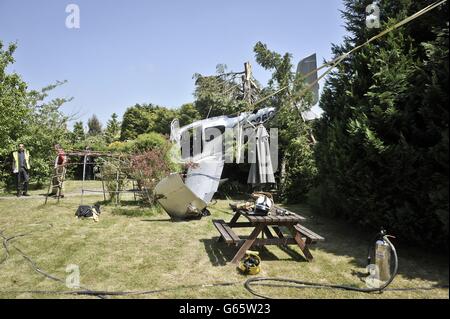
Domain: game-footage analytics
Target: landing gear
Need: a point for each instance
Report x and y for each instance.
(206, 212)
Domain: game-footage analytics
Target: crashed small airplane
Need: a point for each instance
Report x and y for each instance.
(205, 143)
(202, 143)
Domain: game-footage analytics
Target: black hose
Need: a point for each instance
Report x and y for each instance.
(305, 284)
(6, 244)
(247, 284)
(84, 291)
(120, 293)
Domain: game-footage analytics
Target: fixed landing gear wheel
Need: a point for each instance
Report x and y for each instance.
(205, 213)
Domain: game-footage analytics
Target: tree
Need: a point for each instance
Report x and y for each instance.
(383, 139)
(188, 114)
(224, 94)
(46, 126)
(13, 103)
(31, 118)
(298, 170)
(146, 118)
(94, 126)
(220, 94)
(78, 134)
(135, 122)
(28, 117)
(161, 117)
(112, 132)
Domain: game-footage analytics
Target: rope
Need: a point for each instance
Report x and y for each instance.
(332, 64)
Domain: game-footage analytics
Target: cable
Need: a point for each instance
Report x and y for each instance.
(300, 284)
(84, 291)
(32, 263)
(122, 293)
(332, 64)
(291, 283)
(306, 284)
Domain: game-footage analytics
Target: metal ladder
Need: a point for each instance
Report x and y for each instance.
(60, 177)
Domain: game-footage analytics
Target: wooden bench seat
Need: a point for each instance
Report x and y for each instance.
(311, 236)
(226, 233)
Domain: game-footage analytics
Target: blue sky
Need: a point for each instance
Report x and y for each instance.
(137, 51)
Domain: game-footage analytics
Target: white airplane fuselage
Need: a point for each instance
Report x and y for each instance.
(190, 197)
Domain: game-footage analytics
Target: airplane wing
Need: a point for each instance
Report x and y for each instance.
(177, 199)
(203, 179)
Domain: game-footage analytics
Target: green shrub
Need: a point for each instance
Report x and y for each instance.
(121, 147)
(301, 172)
(142, 143)
(149, 141)
(110, 168)
(95, 143)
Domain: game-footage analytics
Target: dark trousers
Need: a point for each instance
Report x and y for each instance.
(22, 180)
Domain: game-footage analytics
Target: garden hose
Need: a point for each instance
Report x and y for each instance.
(6, 245)
(247, 284)
(83, 291)
(300, 284)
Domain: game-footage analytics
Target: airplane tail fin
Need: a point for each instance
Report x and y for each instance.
(174, 131)
(306, 67)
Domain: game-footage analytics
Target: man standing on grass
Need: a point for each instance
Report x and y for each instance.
(21, 167)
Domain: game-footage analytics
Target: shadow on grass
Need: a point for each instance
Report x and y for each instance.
(220, 253)
(346, 239)
(103, 202)
(130, 202)
(136, 212)
(128, 212)
(131, 208)
(11, 188)
(123, 203)
(231, 213)
(159, 220)
(361, 275)
(176, 220)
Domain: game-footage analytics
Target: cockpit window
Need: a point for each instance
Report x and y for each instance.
(213, 132)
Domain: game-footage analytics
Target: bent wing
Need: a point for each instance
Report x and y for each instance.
(203, 179)
(176, 198)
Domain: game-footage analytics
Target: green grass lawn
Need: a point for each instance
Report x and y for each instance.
(136, 248)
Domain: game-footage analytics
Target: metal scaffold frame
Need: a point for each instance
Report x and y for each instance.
(101, 156)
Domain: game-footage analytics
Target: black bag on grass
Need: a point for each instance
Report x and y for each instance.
(87, 211)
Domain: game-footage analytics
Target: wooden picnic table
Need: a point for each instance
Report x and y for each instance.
(264, 225)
